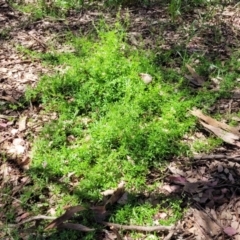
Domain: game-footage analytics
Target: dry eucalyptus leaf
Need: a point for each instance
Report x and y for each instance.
(117, 194)
(147, 78)
(22, 124)
(198, 79)
(227, 137)
(208, 120)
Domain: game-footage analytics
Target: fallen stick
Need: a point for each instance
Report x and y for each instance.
(38, 217)
(217, 157)
(115, 225)
(139, 228)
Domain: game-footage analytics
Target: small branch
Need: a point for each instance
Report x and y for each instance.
(18, 62)
(139, 228)
(217, 157)
(39, 217)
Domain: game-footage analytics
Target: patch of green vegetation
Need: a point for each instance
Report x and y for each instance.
(141, 214)
(43, 8)
(5, 33)
(111, 114)
(205, 145)
(111, 126)
(145, 214)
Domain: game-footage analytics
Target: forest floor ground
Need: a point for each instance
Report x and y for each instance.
(206, 182)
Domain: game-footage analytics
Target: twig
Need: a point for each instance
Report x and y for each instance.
(7, 117)
(217, 157)
(38, 217)
(139, 228)
(18, 62)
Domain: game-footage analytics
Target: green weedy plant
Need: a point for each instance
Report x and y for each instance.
(111, 126)
(125, 3)
(42, 8)
(127, 119)
(177, 6)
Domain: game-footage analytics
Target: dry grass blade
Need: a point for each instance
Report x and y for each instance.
(67, 215)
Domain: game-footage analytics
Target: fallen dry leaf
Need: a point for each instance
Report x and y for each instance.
(22, 216)
(230, 231)
(227, 137)
(107, 192)
(206, 223)
(198, 80)
(22, 124)
(175, 169)
(8, 99)
(177, 180)
(146, 77)
(220, 168)
(3, 125)
(117, 194)
(67, 215)
(211, 121)
(17, 148)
